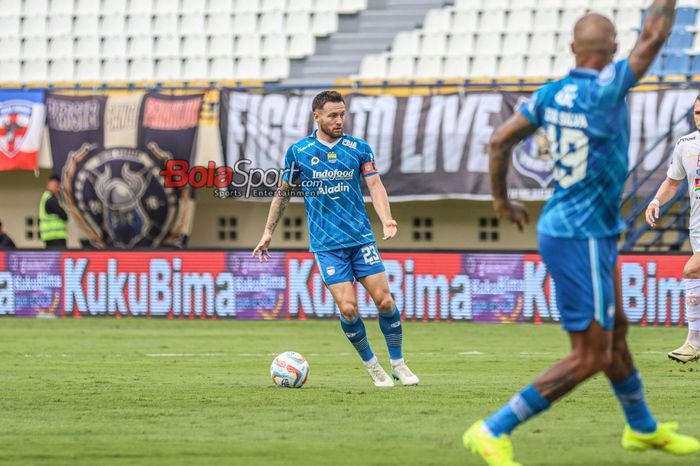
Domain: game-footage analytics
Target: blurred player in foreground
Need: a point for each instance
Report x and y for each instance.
(329, 166)
(684, 164)
(586, 121)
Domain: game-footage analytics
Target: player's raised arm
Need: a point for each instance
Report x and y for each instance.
(504, 138)
(655, 31)
(380, 201)
(277, 207)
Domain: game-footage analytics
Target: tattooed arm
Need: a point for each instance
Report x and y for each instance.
(655, 31)
(279, 203)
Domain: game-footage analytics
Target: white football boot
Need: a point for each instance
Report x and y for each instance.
(404, 374)
(379, 375)
(685, 353)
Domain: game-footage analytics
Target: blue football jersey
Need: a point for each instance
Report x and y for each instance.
(330, 179)
(585, 118)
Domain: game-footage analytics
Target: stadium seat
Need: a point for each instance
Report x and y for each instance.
(115, 69)
(164, 25)
(35, 7)
(14, 8)
(608, 12)
(89, 47)
(516, 43)
(564, 40)
(456, 67)
(271, 23)
(11, 70)
(562, 64)
(221, 45)
(685, 16)
(538, 65)
(305, 6)
(488, 43)
(301, 45)
(165, 6)
(274, 45)
(113, 6)
(275, 68)
(468, 4)
(324, 23)
(675, 64)
(168, 69)
(656, 67)
(496, 5)
(460, 44)
(248, 68)
(34, 48)
(576, 4)
(401, 68)
(543, 42)
(243, 23)
(632, 3)
(331, 6)
(273, 5)
(59, 25)
(114, 47)
(348, 6)
(9, 26)
(428, 67)
(34, 26)
(88, 69)
(628, 18)
(113, 25)
(141, 69)
(298, 22)
(695, 65)
(194, 68)
(86, 25)
(625, 42)
(492, 20)
(194, 46)
(192, 6)
(406, 43)
(550, 5)
(167, 47)
(687, 3)
(546, 20)
(217, 6)
(34, 70)
(248, 45)
(433, 44)
(483, 67)
(222, 68)
(62, 69)
(519, 20)
(247, 6)
(192, 23)
(140, 47)
(61, 47)
(140, 7)
(138, 24)
(680, 39)
(569, 18)
(438, 20)
(373, 66)
(597, 4)
(695, 48)
(465, 21)
(61, 7)
(11, 48)
(511, 66)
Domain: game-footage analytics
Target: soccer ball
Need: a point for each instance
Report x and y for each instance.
(289, 370)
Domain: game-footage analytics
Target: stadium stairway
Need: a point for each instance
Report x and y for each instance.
(372, 30)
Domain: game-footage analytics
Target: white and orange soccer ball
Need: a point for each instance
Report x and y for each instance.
(289, 370)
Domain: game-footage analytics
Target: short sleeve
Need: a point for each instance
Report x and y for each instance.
(531, 108)
(676, 170)
(291, 171)
(615, 81)
(368, 166)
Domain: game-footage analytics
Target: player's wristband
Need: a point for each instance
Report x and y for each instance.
(655, 202)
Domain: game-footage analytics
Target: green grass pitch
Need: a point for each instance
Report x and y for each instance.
(133, 392)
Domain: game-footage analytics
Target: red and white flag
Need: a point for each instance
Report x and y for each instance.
(22, 116)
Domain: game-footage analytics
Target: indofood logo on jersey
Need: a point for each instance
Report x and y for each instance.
(532, 157)
(334, 174)
(118, 196)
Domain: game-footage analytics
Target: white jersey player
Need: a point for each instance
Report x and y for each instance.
(685, 165)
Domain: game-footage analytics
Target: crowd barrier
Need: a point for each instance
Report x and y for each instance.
(427, 286)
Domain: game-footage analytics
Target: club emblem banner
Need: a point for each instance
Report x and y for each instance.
(109, 152)
(22, 116)
(435, 147)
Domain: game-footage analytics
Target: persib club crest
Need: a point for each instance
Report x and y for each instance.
(118, 195)
(15, 117)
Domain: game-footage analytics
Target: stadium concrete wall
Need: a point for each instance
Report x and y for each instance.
(427, 287)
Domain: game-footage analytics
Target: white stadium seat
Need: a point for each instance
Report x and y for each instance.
(194, 46)
(406, 43)
(61, 7)
(62, 69)
(516, 43)
(220, 45)
(113, 6)
(34, 47)
(167, 47)
(306, 6)
(168, 69)
(141, 69)
(195, 68)
(11, 47)
(140, 47)
(114, 47)
(627, 39)
(546, 20)
(165, 24)
(9, 26)
(35, 7)
(324, 23)
(438, 20)
(519, 20)
(373, 66)
(86, 25)
(456, 67)
(34, 26)
(87, 47)
(275, 68)
(192, 23)
(274, 45)
(511, 66)
(562, 64)
(222, 68)
(88, 69)
(115, 69)
(468, 5)
(401, 68)
(165, 6)
(113, 25)
(219, 6)
(138, 24)
(140, 7)
(351, 6)
(460, 44)
(538, 65)
(86, 7)
(492, 20)
(243, 23)
(483, 67)
(569, 18)
(297, 22)
(434, 44)
(273, 5)
(247, 6)
(543, 42)
(10, 8)
(550, 4)
(488, 43)
(271, 22)
(193, 6)
(248, 68)
(428, 67)
(628, 18)
(496, 4)
(35, 70)
(248, 45)
(301, 45)
(61, 47)
(465, 21)
(11, 70)
(331, 6)
(564, 40)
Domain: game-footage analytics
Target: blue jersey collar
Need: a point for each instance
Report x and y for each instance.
(584, 72)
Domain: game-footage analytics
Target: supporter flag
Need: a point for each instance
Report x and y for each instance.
(22, 115)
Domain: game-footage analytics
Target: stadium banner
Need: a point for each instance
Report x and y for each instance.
(109, 152)
(435, 147)
(427, 287)
(22, 116)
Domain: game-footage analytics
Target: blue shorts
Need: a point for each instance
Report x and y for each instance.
(344, 265)
(582, 270)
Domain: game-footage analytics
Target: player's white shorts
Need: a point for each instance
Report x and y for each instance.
(695, 243)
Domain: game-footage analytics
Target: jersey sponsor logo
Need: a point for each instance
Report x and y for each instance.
(533, 158)
(566, 96)
(302, 149)
(315, 161)
(338, 188)
(333, 174)
(350, 144)
(332, 157)
(330, 270)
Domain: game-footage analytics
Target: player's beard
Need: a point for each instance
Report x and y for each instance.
(332, 131)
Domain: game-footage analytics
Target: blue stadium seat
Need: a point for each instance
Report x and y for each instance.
(655, 68)
(676, 63)
(680, 39)
(695, 65)
(685, 16)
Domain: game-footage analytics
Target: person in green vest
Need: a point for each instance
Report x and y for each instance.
(52, 216)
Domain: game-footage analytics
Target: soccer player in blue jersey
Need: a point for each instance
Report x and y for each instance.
(329, 166)
(585, 118)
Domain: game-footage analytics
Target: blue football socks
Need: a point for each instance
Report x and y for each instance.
(630, 393)
(355, 331)
(520, 408)
(390, 324)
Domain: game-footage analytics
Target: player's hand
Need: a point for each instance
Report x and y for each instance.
(652, 214)
(513, 211)
(262, 250)
(389, 229)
